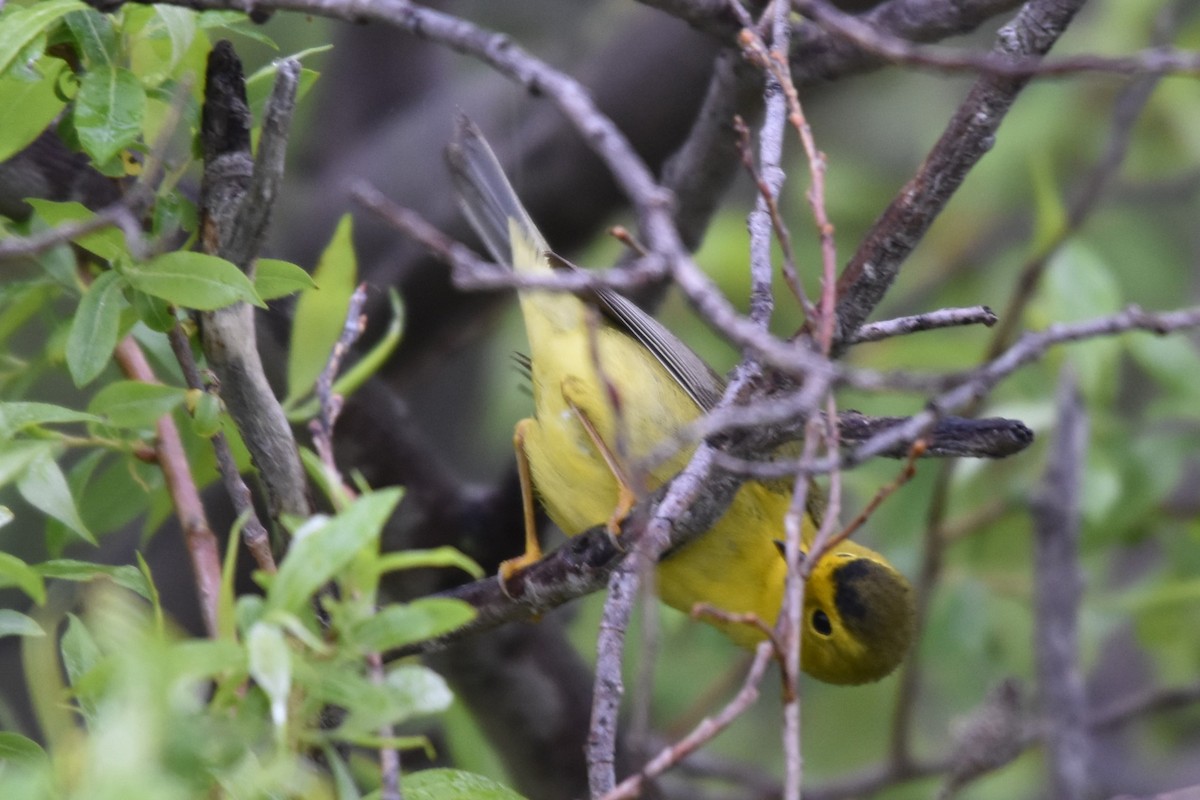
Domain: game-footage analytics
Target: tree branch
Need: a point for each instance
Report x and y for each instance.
(235, 202)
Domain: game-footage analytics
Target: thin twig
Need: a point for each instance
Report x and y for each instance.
(782, 234)
(389, 757)
(254, 534)
(1155, 61)
(932, 320)
(967, 138)
(330, 405)
(703, 732)
(907, 473)
(202, 546)
(470, 272)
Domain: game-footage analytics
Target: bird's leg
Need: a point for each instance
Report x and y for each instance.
(533, 549)
(626, 496)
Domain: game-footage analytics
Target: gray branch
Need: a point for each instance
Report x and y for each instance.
(1058, 589)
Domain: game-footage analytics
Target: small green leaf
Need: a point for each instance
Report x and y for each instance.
(125, 575)
(80, 654)
(134, 404)
(319, 553)
(17, 416)
(95, 328)
(148, 582)
(23, 25)
(27, 107)
(435, 557)
(401, 624)
(204, 658)
(271, 667)
(95, 35)
(321, 312)
(108, 111)
(206, 416)
(107, 243)
(420, 688)
(193, 280)
(453, 784)
(274, 278)
(14, 623)
(15, 572)
(44, 487)
(154, 311)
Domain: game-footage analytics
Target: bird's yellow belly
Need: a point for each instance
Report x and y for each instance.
(736, 565)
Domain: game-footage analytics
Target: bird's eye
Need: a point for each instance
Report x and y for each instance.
(821, 623)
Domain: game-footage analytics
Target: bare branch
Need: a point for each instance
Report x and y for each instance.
(966, 139)
(231, 183)
(329, 404)
(254, 534)
(201, 543)
(703, 733)
(1157, 61)
(1058, 584)
(932, 320)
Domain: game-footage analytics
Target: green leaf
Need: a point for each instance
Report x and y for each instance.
(95, 328)
(154, 311)
(193, 280)
(321, 312)
(435, 557)
(95, 35)
(17, 416)
(420, 688)
(148, 581)
(16, 458)
(274, 278)
(107, 243)
(343, 779)
(17, 749)
(26, 108)
(453, 784)
(22, 25)
(235, 22)
(321, 549)
(363, 368)
(401, 624)
(226, 593)
(125, 575)
(161, 43)
(108, 111)
(44, 487)
(271, 667)
(15, 572)
(204, 658)
(14, 623)
(135, 404)
(206, 416)
(80, 654)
